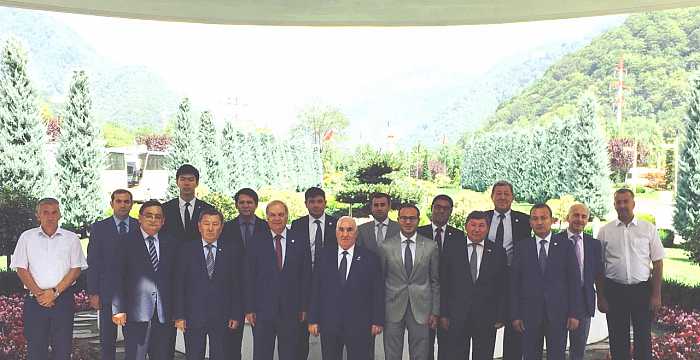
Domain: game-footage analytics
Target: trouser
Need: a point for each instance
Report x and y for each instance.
(578, 339)
(196, 342)
(49, 326)
(108, 331)
(418, 335)
(234, 340)
(150, 338)
(303, 346)
(535, 334)
(286, 331)
(457, 344)
(629, 302)
(357, 346)
(441, 335)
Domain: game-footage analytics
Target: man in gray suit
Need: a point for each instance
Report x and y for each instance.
(410, 263)
(373, 233)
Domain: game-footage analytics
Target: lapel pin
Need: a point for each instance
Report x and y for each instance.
(516, 220)
(292, 241)
(358, 259)
(488, 250)
(555, 244)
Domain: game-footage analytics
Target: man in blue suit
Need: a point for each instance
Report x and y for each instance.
(106, 239)
(590, 262)
(144, 297)
(278, 284)
(545, 288)
(347, 301)
(208, 301)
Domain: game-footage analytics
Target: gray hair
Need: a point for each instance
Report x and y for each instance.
(46, 201)
(578, 204)
(348, 218)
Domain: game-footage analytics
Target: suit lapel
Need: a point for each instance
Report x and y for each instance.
(420, 253)
(398, 258)
(485, 261)
(353, 267)
(330, 229)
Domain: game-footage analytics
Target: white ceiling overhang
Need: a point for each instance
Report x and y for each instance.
(350, 12)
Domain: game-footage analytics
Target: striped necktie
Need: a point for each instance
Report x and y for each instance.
(152, 252)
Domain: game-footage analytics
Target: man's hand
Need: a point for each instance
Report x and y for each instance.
(302, 316)
(233, 324)
(313, 329)
(95, 302)
(519, 326)
(119, 319)
(498, 325)
(46, 299)
(376, 330)
(250, 318)
(602, 304)
(180, 325)
(572, 324)
(433, 321)
(655, 303)
(445, 323)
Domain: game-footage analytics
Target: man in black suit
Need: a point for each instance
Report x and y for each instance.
(144, 297)
(242, 231)
(106, 239)
(318, 229)
(278, 286)
(473, 285)
(347, 301)
(444, 235)
(181, 213)
(506, 227)
(208, 301)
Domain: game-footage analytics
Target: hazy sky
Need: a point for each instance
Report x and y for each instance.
(274, 71)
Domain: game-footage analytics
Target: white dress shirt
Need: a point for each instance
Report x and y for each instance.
(48, 258)
(479, 254)
(214, 248)
(283, 241)
(442, 236)
(629, 250)
(182, 208)
(412, 248)
(546, 245)
(507, 231)
(312, 232)
(156, 242)
(350, 251)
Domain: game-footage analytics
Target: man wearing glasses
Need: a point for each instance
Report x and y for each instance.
(410, 263)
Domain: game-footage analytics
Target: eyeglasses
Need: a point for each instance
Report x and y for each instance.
(152, 217)
(408, 218)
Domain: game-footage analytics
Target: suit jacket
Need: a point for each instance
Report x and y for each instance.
(519, 222)
(483, 301)
(232, 230)
(422, 288)
(558, 290)
(451, 235)
(354, 307)
(142, 290)
(201, 301)
(173, 220)
(273, 294)
(301, 227)
(105, 241)
(367, 234)
(592, 268)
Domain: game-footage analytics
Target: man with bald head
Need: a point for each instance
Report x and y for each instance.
(347, 301)
(590, 262)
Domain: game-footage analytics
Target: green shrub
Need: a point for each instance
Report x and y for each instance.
(17, 214)
(9, 283)
(294, 201)
(676, 293)
(667, 237)
(646, 217)
(224, 203)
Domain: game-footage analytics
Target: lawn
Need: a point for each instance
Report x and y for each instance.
(678, 267)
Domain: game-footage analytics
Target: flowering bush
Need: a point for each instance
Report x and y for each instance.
(683, 342)
(13, 345)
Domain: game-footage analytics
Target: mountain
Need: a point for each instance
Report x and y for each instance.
(660, 50)
(131, 95)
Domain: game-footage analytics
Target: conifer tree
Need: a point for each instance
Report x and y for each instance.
(210, 172)
(182, 149)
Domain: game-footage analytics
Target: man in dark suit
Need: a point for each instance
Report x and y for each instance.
(347, 301)
(208, 301)
(444, 235)
(241, 231)
(590, 261)
(545, 289)
(278, 285)
(318, 229)
(106, 239)
(373, 233)
(144, 298)
(506, 228)
(181, 213)
(473, 286)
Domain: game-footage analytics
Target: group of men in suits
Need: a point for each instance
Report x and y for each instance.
(180, 266)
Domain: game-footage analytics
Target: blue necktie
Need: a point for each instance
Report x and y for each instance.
(543, 256)
(122, 227)
(152, 252)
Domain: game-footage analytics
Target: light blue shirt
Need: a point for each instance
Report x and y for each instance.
(213, 249)
(117, 221)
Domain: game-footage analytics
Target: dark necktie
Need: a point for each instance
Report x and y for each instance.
(473, 262)
(499, 230)
(248, 233)
(543, 256)
(152, 252)
(318, 240)
(210, 260)
(188, 217)
(278, 251)
(380, 233)
(122, 227)
(408, 258)
(438, 238)
(343, 268)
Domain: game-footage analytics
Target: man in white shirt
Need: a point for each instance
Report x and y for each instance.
(48, 260)
(631, 290)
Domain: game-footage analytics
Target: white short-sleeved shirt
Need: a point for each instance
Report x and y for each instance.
(629, 250)
(48, 258)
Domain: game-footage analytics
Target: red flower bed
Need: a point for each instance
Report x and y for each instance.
(13, 345)
(683, 341)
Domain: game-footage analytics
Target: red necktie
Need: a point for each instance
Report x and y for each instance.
(278, 251)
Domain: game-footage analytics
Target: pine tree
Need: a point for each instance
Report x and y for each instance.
(182, 149)
(230, 153)
(22, 135)
(210, 172)
(80, 158)
(686, 218)
(588, 172)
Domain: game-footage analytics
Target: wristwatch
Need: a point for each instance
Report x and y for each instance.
(55, 293)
